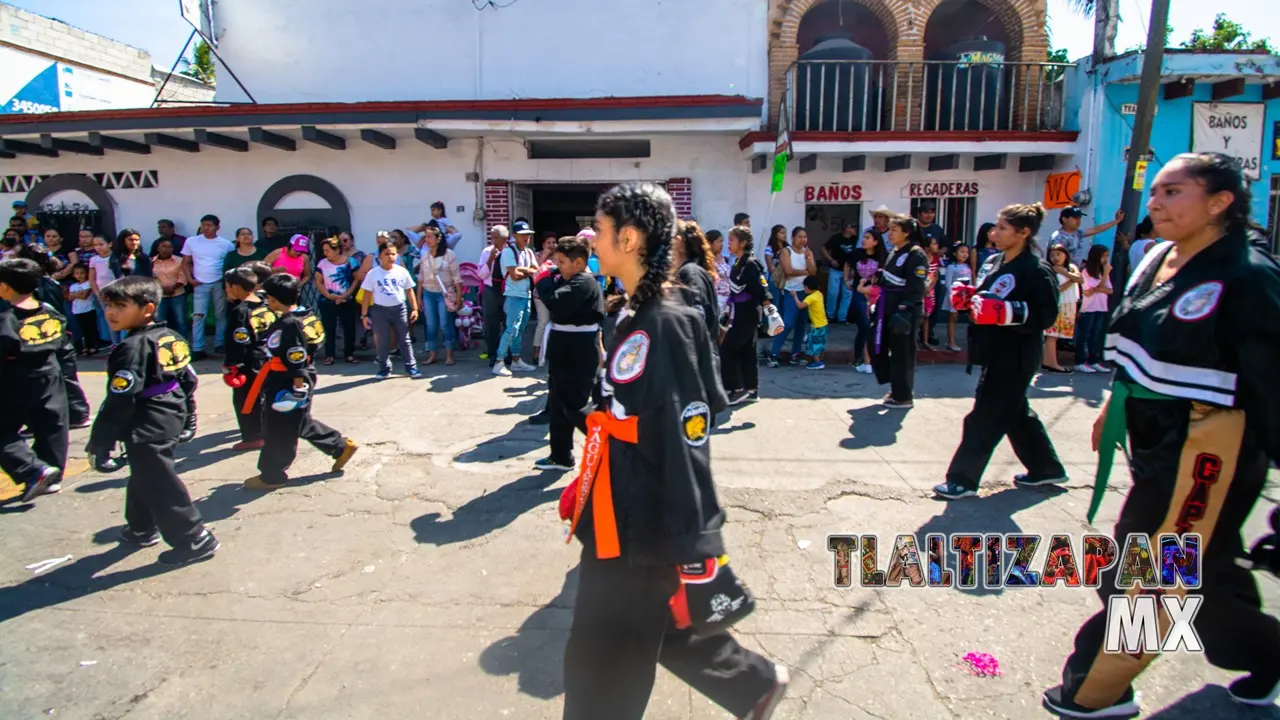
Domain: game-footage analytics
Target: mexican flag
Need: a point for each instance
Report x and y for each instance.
(781, 150)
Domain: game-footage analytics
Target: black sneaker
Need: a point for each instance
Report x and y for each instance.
(202, 549)
(542, 417)
(35, 488)
(899, 404)
(549, 463)
(796, 360)
(952, 491)
(1026, 480)
(146, 539)
(751, 396)
(81, 424)
(737, 397)
(108, 464)
(771, 362)
(187, 435)
(1126, 706)
(1252, 690)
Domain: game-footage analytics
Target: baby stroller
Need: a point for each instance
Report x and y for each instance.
(470, 318)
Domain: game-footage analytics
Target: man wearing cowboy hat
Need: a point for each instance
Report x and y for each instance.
(880, 218)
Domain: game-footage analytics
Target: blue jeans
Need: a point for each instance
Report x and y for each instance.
(1091, 327)
(859, 314)
(795, 319)
(437, 319)
(838, 296)
(104, 329)
(204, 295)
(517, 311)
(173, 312)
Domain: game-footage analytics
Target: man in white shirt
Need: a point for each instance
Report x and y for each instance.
(519, 265)
(202, 256)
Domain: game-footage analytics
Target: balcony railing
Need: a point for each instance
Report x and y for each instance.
(925, 96)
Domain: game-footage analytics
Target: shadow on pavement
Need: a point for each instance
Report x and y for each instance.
(536, 652)
(873, 426)
(74, 580)
(983, 516)
(522, 438)
(489, 512)
(1212, 701)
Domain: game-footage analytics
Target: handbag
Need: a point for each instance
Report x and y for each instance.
(452, 302)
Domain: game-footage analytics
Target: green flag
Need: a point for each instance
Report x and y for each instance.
(780, 169)
(781, 149)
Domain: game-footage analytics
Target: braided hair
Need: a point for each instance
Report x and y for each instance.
(648, 209)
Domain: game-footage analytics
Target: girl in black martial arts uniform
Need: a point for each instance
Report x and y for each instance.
(749, 292)
(645, 506)
(1196, 342)
(696, 271)
(1016, 301)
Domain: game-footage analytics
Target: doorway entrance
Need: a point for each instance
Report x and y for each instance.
(957, 216)
(560, 208)
(823, 221)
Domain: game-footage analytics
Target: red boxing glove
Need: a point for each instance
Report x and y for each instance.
(988, 309)
(710, 598)
(568, 498)
(962, 295)
(544, 271)
(234, 377)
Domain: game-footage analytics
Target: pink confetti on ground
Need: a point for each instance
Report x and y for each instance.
(982, 664)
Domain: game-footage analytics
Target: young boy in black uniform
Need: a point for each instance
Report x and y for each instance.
(51, 294)
(32, 337)
(286, 384)
(145, 407)
(247, 323)
(576, 306)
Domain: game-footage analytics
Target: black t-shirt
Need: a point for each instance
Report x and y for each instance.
(273, 242)
(842, 249)
(936, 232)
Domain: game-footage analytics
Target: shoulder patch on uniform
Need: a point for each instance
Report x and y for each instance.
(123, 381)
(240, 335)
(296, 354)
(1199, 302)
(1003, 286)
(695, 424)
(921, 271)
(273, 342)
(629, 359)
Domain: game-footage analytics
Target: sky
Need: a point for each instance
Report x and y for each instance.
(164, 31)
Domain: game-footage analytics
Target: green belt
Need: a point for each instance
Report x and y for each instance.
(1114, 431)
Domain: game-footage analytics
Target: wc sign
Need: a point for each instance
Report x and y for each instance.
(1234, 129)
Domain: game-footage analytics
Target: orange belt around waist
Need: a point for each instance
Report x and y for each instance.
(595, 472)
(275, 364)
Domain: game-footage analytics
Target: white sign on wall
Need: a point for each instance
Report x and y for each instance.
(1234, 129)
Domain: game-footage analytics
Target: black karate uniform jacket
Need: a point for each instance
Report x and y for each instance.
(33, 343)
(148, 359)
(247, 324)
(1015, 349)
(703, 295)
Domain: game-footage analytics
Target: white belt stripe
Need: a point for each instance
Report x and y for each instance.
(1171, 372)
(1178, 391)
(895, 279)
(573, 328)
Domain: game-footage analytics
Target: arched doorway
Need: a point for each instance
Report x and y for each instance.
(70, 218)
(295, 202)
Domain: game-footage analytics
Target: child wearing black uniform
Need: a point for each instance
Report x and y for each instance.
(32, 339)
(248, 318)
(572, 346)
(645, 505)
(146, 409)
(286, 384)
(51, 293)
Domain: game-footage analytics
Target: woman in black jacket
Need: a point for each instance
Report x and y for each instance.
(1016, 301)
(696, 270)
(749, 291)
(127, 257)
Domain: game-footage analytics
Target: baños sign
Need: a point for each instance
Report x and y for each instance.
(1231, 128)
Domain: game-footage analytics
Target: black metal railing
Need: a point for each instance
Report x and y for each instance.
(925, 95)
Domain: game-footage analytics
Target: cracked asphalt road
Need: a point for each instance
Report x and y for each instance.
(432, 579)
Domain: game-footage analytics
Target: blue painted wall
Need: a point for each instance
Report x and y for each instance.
(1172, 131)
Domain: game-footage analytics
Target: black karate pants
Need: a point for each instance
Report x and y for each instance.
(491, 302)
(77, 404)
(1170, 471)
(281, 433)
(156, 498)
(622, 630)
(250, 423)
(739, 366)
(1000, 409)
(189, 382)
(572, 363)
(895, 363)
(39, 403)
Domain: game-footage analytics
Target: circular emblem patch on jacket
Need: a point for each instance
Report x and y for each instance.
(1199, 302)
(921, 271)
(123, 381)
(1003, 286)
(629, 358)
(241, 335)
(296, 354)
(695, 424)
(273, 342)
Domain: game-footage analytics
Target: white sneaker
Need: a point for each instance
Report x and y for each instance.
(522, 366)
(1085, 369)
(501, 370)
(1098, 368)
(864, 368)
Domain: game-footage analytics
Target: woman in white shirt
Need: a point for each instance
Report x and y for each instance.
(795, 264)
(441, 289)
(388, 308)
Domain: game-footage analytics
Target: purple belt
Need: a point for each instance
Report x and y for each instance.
(740, 297)
(158, 389)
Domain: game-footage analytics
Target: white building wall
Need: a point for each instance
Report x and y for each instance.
(386, 190)
(290, 51)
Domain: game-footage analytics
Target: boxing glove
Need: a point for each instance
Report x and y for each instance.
(710, 598)
(773, 321)
(234, 377)
(988, 309)
(544, 272)
(290, 400)
(962, 295)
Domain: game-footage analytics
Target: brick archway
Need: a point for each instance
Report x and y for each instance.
(1023, 21)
